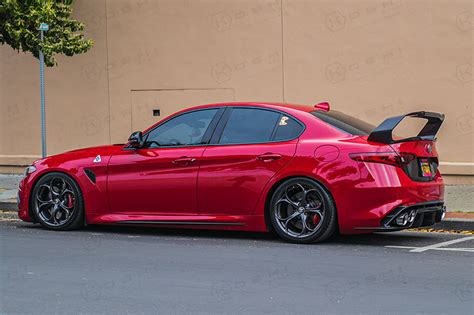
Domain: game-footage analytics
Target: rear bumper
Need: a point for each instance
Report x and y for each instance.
(412, 216)
(382, 191)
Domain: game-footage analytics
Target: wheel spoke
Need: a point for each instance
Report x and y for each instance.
(297, 203)
(317, 211)
(45, 203)
(46, 186)
(56, 190)
(303, 224)
(317, 206)
(68, 211)
(67, 197)
(307, 193)
(317, 225)
(301, 188)
(41, 200)
(65, 206)
(66, 191)
(46, 212)
(44, 190)
(63, 187)
(289, 201)
(53, 214)
(286, 220)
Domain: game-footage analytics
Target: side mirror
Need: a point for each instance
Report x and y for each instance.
(136, 140)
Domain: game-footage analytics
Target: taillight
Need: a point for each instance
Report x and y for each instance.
(391, 158)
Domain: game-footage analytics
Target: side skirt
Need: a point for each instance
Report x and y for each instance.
(177, 222)
(254, 223)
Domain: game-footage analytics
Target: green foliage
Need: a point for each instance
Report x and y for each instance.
(20, 19)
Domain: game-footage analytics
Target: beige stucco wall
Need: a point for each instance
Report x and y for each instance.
(371, 59)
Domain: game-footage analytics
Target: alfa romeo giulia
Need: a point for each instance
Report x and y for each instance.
(305, 172)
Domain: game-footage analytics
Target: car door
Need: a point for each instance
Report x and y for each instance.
(161, 177)
(250, 145)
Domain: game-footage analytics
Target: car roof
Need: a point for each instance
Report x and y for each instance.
(303, 108)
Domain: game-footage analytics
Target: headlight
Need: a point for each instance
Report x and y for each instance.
(30, 169)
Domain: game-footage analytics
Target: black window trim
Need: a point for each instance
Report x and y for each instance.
(205, 138)
(225, 118)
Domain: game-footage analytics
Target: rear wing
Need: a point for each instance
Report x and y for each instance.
(383, 132)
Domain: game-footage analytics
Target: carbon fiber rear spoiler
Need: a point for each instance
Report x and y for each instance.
(383, 132)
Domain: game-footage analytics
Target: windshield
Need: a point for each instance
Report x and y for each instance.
(346, 123)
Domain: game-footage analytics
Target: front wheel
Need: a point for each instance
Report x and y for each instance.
(57, 202)
(302, 211)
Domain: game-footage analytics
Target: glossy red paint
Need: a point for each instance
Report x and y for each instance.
(322, 106)
(231, 184)
(139, 180)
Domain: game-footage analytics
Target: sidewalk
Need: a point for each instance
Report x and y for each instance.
(8, 191)
(459, 201)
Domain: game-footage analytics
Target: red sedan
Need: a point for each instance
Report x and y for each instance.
(304, 172)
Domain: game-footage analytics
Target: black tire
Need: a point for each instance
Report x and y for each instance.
(309, 202)
(57, 193)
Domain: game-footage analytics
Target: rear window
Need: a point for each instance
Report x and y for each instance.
(346, 123)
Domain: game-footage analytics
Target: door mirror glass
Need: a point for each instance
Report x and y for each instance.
(136, 140)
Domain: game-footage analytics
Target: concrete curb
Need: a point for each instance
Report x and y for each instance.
(454, 224)
(9, 206)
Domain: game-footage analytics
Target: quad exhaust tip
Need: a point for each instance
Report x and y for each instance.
(406, 218)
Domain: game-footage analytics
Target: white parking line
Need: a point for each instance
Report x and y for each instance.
(439, 246)
(470, 250)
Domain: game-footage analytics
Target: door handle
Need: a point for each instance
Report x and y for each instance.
(267, 157)
(184, 160)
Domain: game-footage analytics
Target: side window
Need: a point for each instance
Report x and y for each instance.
(249, 125)
(186, 129)
(287, 128)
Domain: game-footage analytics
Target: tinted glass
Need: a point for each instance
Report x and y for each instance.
(288, 128)
(186, 129)
(346, 123)
(249, 125)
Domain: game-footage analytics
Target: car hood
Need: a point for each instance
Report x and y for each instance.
(103, 149)
(83, 157)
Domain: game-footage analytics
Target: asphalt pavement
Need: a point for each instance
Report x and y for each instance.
(169, 271)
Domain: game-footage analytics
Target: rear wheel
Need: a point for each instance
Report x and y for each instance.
(302, 211)
(57, 202)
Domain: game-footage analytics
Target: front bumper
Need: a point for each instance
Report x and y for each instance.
(22, 200)
(418, 215)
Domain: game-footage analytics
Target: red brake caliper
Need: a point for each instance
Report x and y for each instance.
(69, 201)
(316, 219)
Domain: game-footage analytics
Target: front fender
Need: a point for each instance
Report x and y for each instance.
(73, 164)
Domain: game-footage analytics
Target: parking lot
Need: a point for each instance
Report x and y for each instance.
(137, 270)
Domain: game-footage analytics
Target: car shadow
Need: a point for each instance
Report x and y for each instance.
(181, 232)
(377, 239)
(374, 239)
